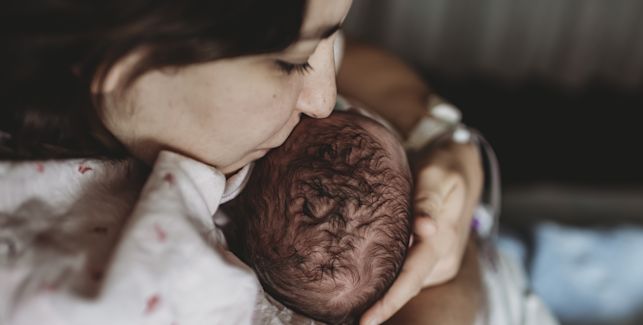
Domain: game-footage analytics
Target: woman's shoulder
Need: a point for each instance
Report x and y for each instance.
(60, 184)
(62, 209)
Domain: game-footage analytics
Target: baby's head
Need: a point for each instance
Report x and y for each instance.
(325, 218)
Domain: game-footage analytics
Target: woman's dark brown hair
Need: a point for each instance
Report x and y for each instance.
(54, 49)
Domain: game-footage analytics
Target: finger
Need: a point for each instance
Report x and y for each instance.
(447, 253)
(446, 207)
(423, 228)
(434, 180)
(428, 204)
(431, 203)
(443, 241)
(432, 188)
(406, 286)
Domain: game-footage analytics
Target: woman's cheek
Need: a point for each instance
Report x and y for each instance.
(283, 102)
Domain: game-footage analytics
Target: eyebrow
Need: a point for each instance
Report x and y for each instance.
(323, 32)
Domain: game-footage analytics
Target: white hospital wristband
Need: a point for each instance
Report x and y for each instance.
(440, 119)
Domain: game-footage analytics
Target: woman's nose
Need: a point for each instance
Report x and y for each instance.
(319, 92)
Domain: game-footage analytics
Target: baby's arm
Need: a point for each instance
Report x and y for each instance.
(383, 83)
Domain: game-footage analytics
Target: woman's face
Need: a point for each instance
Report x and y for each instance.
(229, 112)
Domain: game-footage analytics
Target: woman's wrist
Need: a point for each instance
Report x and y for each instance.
(440, 120)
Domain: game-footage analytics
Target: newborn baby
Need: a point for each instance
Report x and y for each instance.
(325, 219)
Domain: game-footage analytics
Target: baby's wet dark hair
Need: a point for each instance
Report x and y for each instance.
(325, 219)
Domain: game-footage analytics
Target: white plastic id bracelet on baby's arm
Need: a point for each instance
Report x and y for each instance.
(441, 118)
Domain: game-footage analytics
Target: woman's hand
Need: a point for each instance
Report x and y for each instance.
(448, 185)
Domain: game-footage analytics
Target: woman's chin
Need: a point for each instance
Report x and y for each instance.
(248, 158)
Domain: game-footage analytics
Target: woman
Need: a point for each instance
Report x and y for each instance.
(212, 85)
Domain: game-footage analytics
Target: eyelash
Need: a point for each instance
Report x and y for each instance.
(289, 68)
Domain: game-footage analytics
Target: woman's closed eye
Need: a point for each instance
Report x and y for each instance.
(289, 68)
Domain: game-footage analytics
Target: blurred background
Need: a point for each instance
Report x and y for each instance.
(555, 85)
